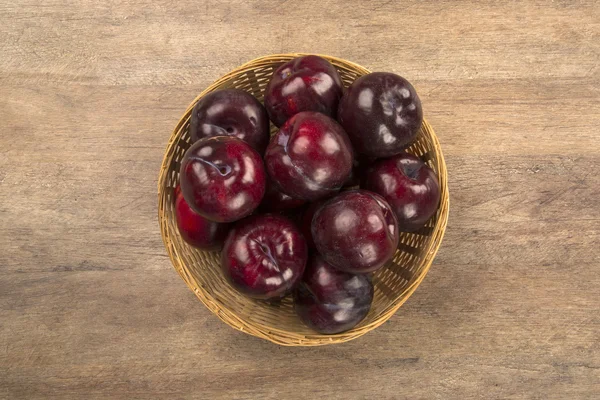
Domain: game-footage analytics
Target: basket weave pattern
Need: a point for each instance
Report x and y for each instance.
(278, 322)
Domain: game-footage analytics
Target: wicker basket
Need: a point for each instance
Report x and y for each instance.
(278, 323)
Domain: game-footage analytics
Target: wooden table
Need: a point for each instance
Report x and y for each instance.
(90, 306)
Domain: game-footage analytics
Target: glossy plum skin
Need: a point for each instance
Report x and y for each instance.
(382, 114)
(310, 157)
(222, 178)
(264, 256)
(409, 186)
(308, 83)
(197, 230)
(356, 231)
(231, 112)
(331, 301)
(275, 200)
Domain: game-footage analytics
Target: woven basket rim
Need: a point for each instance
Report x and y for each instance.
(263, 331)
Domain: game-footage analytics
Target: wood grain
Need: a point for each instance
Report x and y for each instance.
(89, 304)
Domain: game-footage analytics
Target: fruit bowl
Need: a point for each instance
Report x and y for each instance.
(277, 321)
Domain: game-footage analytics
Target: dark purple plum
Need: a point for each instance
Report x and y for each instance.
(264, 256)
(310, 157)
(308, 83)
(409, 186)
(356, 231)
(231, 112)
(197, 230)
(331, 301)
(382, 114)
(222, 178)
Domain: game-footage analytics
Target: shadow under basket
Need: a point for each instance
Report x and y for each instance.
(278, 322)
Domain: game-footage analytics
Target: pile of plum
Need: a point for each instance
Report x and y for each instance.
(313, 210)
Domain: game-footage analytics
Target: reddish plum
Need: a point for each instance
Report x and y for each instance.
(356, 231)
(222, 178)
(310, 157)
(264, 256)
(409, 186)
(308, 83)
(195, 229)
